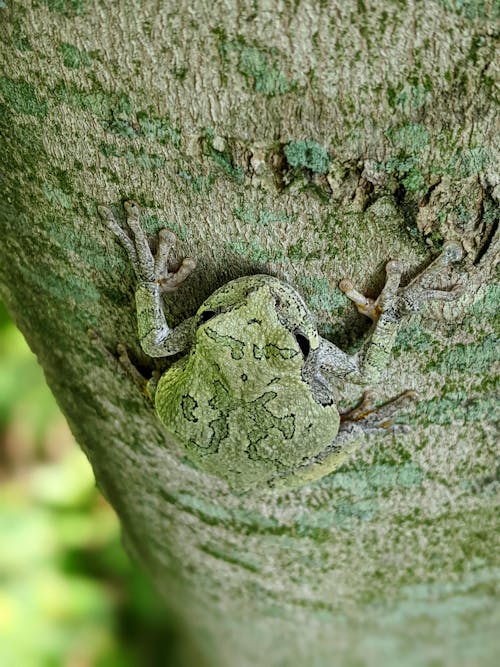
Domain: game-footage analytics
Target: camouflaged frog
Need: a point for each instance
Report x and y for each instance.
(251, 401)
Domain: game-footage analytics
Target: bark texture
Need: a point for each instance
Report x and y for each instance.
(310, 140)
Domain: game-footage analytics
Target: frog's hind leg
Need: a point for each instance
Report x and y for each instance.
(354, 424)
(132, 371)
(146, 387)
(373, 357)
(376, 418)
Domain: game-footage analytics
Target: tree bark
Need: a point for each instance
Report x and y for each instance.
(308, 140)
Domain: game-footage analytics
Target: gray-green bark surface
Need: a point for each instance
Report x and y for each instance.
(309, 140)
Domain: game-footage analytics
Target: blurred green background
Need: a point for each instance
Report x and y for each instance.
(68, 593)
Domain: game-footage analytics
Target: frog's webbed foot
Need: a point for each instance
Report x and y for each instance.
(416, 292)
(149, 268)
(170, 280)
(409, 298)
(371, 418)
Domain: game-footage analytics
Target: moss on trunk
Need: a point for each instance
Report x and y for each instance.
(310, 141)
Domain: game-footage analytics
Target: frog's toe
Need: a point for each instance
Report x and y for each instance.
(171, 281)
(372, 418)
(363, 304)
(112, 224)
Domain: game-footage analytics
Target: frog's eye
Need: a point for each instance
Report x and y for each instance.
(303, 343)
(206, 315)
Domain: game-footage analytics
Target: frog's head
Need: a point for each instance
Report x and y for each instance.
(255, 330)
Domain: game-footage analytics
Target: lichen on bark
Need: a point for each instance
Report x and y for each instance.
(191, 111)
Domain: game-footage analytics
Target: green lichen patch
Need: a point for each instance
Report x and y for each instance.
(320, 294)
(201, 184)
(68, 8)
(472, 9)
(128, 125)
(122, 127)
(374, 479)
(259, 217)
(137, 157)
(148, 161)
(258, 65)
(223, 159)
(307, 154)
(419, 160)
(89, 248)
(297, 252)
(411, 139)
(103, 104)
(20, 39)
(476, 358)
(410, 142)
(470, 161)
(254, 251)
(343, 514)
(153, 223)
(72, 56)
(52, 289)
(410, 95)
(414, 339)
(456, 407)
(230, 555)
(159, 128)
(21, 96)
(56, 196)
(488, 304)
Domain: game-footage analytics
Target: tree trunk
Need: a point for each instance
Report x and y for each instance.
(311, 141)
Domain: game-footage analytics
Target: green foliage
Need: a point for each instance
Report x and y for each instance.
(69, 594)
(23, 395)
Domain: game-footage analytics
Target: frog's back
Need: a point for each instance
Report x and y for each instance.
(238, 403)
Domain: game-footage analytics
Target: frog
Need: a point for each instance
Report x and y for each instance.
(251, 396)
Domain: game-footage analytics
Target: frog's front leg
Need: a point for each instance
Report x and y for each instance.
(154, 278)
(386, 312)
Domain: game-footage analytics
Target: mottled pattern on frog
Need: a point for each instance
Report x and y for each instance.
(251, 400)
